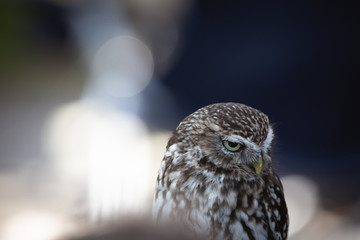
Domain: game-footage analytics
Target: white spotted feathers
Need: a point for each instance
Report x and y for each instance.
(209, 190)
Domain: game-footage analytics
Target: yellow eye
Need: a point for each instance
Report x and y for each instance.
(231, 146)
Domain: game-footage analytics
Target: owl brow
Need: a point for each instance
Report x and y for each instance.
(269, 138)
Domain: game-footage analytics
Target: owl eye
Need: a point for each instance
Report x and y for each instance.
(231, 146)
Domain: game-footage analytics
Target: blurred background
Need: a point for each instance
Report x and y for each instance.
(90, 91)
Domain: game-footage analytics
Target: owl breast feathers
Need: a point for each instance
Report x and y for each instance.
(216, 178)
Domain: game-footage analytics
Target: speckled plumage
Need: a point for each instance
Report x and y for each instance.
(209, 190)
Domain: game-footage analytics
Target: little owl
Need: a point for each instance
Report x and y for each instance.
(216, 178)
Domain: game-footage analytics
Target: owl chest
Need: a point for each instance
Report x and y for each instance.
(211, 206)
(218, 210)
(226, 212)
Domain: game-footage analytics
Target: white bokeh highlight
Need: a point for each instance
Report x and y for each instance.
(123, 67)
(302, 199)
(34, 225)
(111, 150)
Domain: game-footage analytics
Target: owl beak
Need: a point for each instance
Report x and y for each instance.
(258, 165)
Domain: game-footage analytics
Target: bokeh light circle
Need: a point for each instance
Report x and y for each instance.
(123, 66)
(302, 199)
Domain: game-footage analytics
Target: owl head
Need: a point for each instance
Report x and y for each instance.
(226, 137)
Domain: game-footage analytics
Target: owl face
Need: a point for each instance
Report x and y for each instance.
(235, 152)
(235, 139)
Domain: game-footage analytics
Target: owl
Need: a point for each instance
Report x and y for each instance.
(216, 178)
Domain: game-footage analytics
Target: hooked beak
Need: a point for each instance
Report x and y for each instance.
(258, 165)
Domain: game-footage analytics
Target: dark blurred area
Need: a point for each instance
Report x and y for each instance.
(139, 231)
(298, 62)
